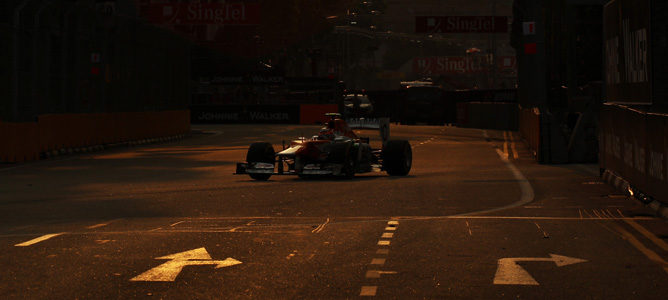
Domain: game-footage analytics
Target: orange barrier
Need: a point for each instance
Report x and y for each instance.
(530, 128)
(310, 114)
(25, 141)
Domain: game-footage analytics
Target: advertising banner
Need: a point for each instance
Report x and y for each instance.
(627, 51)
(657, 156)
(461, 24)
(197, 13)
(448, 65)
(236, 114)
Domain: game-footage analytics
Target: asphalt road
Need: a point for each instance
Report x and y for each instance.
(476, 218)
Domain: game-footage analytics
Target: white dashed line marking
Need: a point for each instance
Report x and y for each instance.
(383, 251)
(376, 273)
(368, 291)
(98, 225)
(37, 240)
(376, 262)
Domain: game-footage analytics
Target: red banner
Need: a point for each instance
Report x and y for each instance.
(231, 13)
(461, 24)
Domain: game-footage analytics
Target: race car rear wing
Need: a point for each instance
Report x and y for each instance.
(382, 124)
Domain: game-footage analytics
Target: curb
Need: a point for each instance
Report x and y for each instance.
(625, 187)
(96, 148)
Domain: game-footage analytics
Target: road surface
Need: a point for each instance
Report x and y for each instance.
(476, 218)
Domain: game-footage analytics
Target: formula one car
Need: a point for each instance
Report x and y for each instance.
(335, 151)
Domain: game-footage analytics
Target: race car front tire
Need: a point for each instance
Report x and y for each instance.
(261, 152)
(397, 157)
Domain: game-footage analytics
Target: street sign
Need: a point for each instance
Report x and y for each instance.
(510, 273)
(169, 270)
(529, 28)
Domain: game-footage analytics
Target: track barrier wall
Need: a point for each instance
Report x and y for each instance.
(633, 145)
(265, 114)
(20, 142)
(529, 126)
(310, 114)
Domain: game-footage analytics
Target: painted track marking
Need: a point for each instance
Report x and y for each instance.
(320, 227)
(37, 240)
(368, 291)
(644, 250)
(647, 234)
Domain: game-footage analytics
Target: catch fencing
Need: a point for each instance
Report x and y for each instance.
(93, 60)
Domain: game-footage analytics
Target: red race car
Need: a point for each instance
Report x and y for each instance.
(335, 151)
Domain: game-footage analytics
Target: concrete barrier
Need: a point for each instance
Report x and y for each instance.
(51, 133)
(529, 127)
(633, 145)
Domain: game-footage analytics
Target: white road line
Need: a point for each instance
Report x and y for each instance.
(368, 291)
(387, 235)
(378, 261)
(393, 223)
(376, 273)
(469, 228)
(383, 251)
(620, 213)
(39, 239)
(383, 243)
(100, 225)
(646, 251)
(659, 242)
(390, 228)
(526, 197)
(320, 227)
(177, 223)
(545, 235)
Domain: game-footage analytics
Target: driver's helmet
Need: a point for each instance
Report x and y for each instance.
(326, 134)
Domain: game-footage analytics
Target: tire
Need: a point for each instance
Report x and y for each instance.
(349, 165)
(397, 157)
(261, 152)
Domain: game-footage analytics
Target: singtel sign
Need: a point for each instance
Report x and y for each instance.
(461, 24)
(230, 13)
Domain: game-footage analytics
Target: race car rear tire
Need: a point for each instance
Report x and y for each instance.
(397, 157)
(261, 152)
